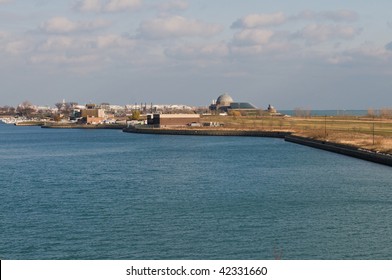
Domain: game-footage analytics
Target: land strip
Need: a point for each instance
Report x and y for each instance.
(362, 132)
(84, 126)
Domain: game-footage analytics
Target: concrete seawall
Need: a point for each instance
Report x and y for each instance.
(28, 123)
(207, 132)
(84, 126)
(380, 158)
(342, 149)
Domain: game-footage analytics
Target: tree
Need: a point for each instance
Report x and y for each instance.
(59, 105)
(26, 109)
(371, 113)
(7, 110)
(57, 118)
(301, 112)
(65, 108)
(135, 115)
(386, 113)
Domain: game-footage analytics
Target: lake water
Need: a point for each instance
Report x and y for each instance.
(105, 194)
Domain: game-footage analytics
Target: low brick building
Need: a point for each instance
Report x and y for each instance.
(163, 120)
(92, 114)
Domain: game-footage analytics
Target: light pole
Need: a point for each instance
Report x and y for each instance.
(373, 130)
(325, 127)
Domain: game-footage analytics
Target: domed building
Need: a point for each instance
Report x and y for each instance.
(225, 104)
(222, 103)
(224, 100)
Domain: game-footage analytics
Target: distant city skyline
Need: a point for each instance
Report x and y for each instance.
(330, 55)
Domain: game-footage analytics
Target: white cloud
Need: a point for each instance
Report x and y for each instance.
(75, 52)
(77, 63)
(340, 15)
(14, 45)
(90, 44)
(366, 54)
(5, 1)
(315, 33)
(177, 26)
(259, 20)
(121, 5)
(246, 50)
(18, 47)
(272, 49)
(89, 5)
(57, 43)
(373, 52)
(338, 59)
(114, 41)
(3, 35)
(208, 51)
(63, 59)
(64, 25)
(253, 37)
(173, 5)
(337, 16)
(388, 46)
(107, 6)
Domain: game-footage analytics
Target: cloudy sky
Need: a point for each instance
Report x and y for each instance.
(329, 55)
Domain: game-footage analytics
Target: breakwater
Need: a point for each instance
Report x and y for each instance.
(84, 126)
(385, 159)
(207, 132)
(29, 123)
(342, 149)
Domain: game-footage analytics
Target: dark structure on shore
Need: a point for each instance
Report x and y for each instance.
(164, 120)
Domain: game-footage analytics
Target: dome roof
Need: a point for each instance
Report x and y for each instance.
(224, 100)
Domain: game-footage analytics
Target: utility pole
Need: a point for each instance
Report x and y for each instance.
(325, 127)
(373, 130)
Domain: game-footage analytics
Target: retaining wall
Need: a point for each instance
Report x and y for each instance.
(342, 149)
(332, 147)
(207, 132)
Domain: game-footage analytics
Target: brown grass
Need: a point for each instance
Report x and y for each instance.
(355, 131)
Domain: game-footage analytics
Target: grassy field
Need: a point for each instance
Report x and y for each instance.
(368, 133)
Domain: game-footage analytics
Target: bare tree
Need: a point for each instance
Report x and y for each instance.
(370, 112)
(386, 113)
(26, 109)
(301, 112)
(59, 105)
(7, 110)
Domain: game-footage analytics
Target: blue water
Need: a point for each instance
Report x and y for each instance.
(105, 194)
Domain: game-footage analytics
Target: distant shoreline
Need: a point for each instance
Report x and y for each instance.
(84, 126)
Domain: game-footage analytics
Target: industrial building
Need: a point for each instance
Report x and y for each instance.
(165, 120)
(93, 114)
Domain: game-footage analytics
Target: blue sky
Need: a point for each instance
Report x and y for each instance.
(329, 55)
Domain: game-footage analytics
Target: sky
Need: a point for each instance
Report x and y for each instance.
(290, 54)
